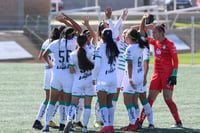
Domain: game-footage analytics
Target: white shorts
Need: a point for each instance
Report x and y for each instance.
(47, 79)
(62, 80)
(83, 90)
(108, 88)
(127, 88)
(120, 75)
(143, 89)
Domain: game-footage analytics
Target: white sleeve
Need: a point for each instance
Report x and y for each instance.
(111, 26)
(129, 54)
(97, 64)
(146, 54)
(117, 26)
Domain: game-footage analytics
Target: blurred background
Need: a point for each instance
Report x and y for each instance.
(26, 24)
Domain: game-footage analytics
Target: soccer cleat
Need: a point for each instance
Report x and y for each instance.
(98, 124)
(37, 125)
(105, 129)
(130, 127)
(177, 125)
(84, 129)
(46, 128)
(53, 125)
(62, 126)
(77, 125)
(139, 124)
(151, 126)
(68, 127)
(111, 129)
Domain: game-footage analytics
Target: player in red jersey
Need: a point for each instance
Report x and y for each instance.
(165, 71)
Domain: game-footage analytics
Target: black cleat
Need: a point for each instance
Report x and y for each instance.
(37, 125)
(62, 126)
(68, 127)
(177, 125)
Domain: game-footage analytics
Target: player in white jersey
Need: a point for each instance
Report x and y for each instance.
(105, 78)
(90, 47)
(62, 79)
(81, 67)
(55, 34)
(135, 74)
(121, 46)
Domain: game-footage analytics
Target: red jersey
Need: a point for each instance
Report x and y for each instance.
(165, 55)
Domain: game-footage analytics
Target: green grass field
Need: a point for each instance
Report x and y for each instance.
(184, 58)
(21, 94)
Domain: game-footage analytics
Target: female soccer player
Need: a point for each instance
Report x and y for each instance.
(105, 77)
(90, 47)
(135, 75)
(55, 34)
(165, 71)
(62, 79)
(81, 66)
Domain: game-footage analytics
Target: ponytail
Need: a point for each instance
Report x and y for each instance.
(83, 62)
(112, 51)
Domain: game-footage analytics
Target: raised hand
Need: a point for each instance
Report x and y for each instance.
(124, 13)
(85, 20)
(108, 12)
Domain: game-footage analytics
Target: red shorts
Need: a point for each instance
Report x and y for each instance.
(159, 81)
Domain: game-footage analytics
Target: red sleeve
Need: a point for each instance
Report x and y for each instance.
(174, 55)
(151, 40)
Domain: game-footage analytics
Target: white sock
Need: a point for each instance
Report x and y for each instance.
(79, 110)
(67, 107)
(149, 113)
(71, 112)
(87, 112)
(137, 108)
(97, 112)
(42, 110)
(63, 115)
(49, 112)
(111, 112)
(131, 113)
(104, 115)
(55, 109)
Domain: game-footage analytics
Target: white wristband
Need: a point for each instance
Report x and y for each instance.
(130, 80)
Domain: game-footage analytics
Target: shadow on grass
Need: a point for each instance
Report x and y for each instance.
(156, 130)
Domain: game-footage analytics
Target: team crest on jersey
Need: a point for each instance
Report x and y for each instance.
(158, 51)
(164, 47)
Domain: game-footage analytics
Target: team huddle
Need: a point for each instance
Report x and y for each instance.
(80, 65)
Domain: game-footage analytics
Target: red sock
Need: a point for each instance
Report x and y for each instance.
(173, 109)
(143, 114)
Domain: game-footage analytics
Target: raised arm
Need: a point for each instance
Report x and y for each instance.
(92, 33)
(62, 20)
(76, 26)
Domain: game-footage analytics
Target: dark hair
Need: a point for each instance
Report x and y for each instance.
(83, 62)
(86, 33)
(101, 27)
(111, 48)
(55, 34)
(161, 27)
(67, 33)
(135, 36)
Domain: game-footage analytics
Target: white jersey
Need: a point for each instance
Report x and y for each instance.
(45, 45)
(62, 79)
(135, 54)
(82, 84)
(146, 54)
(104, 73)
